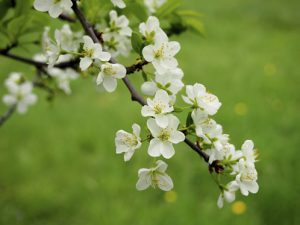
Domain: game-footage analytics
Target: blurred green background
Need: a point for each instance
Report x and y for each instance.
(58, 163)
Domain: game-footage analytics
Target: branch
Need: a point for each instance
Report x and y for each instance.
(67, 18)
(136, 67)
(37, 64)
(7, 114)
(135, 96)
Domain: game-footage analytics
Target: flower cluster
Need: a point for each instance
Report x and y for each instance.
(165, 130)
(62, 48)
(19, 92)
(116, 35)
(163, 86)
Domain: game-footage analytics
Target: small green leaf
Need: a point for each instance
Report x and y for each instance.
(195, 25)
(145, 76)
(137, 42)
(137, 9)
(189, 120)
(169, 7)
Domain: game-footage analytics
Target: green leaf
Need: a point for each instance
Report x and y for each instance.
(22, 7)
(137, 42)
(4, 7)
(195, 25)
(145, 76)
(189, 120)
(4, 40)
(168, 8)
(137, 9)
(188, 13)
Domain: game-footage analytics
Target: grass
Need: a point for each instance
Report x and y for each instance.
(58, 163)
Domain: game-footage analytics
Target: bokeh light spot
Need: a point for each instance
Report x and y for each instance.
(270, 69)
(239, 207)
(170, 196)
(241, 109)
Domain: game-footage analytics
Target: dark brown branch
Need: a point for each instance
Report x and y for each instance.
(136, 67)
(135, 96)
(88, 28)
(67, 18)
(37, 64)
(7, 114)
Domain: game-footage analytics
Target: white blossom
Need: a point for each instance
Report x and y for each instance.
(161, 54)
(164, 138)
(248, 151)
(155, 177)
(158, 108)
(119, 3)
(51, 49)
(58, 50)
(54, 7)
(13, 81)
(200, 119)
(227, 194)
(151, 30)
(92, 51)
(109, 74)
(127, 143)
(117, 35)
(154, 5)
(21, 95)
(63, 78)
(246, 177)
(199, 98)
(169, 81)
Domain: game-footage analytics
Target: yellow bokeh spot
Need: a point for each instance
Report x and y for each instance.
(270, 69)
(241, 109)
(239, 207)
(170, 196)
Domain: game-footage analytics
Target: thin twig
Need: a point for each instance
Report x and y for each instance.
(67, 18)
(7, 114)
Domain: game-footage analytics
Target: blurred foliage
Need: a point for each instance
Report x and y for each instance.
(58, 164)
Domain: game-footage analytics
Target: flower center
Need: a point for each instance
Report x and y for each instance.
(159, 52)
(249, 175)
(130, 140)
(109, 71)
(164, 135)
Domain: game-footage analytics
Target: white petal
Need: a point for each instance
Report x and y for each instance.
(99, 79)
(149, 88)
(109, 83)
(136, 129)
(85, 63)
(128, 155)
(147, 111)
(154, 148)
(177, 137)
(148, 53)
(55, 11)
(144, 180)
(173, 48)
(165, 182)
(42, 5)
(161, 166)
(9, 99)
(248, 145)
(167, 150)
(162, 120)
(220, 201)
(153, 127)
(252, 187)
